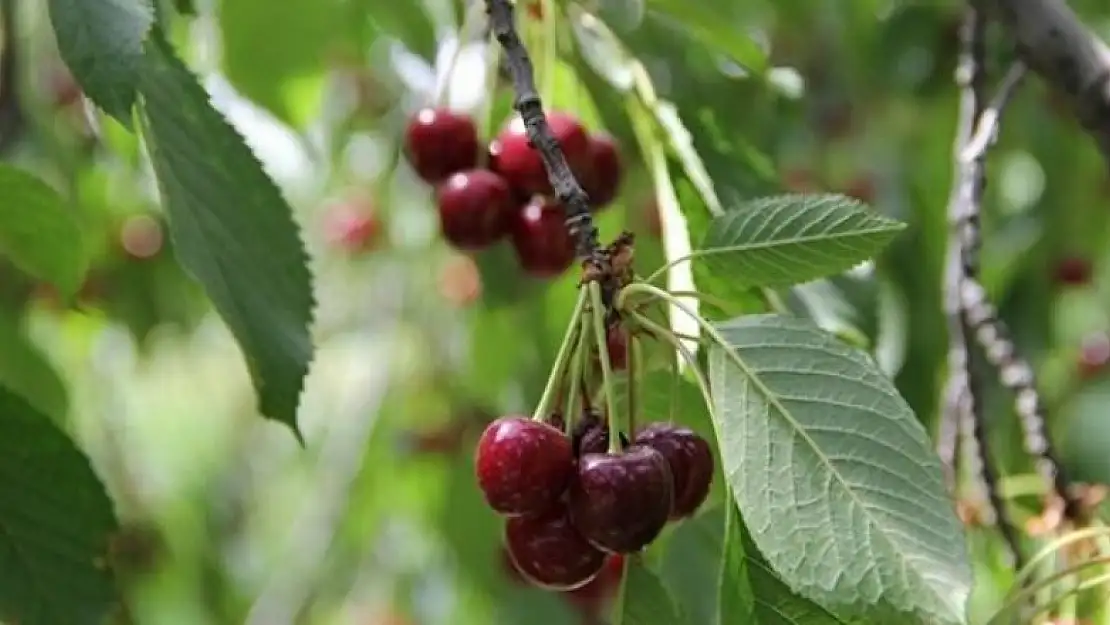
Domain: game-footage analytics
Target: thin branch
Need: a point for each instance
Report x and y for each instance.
(570, 194)
(1054, 43)
(986, 132)
(962, 409)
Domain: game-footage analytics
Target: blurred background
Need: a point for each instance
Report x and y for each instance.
(377, 520)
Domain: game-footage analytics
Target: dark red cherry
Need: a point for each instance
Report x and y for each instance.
(590, 435)
(512, 156)
(601, 177)
(549, 552)
(474, 207)
(690, 460)
(620, 502)
(541, 241)
(616, 341)
(523, 466)
(439, 142)
(1074, 271)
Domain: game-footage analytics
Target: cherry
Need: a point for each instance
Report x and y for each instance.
(512, 155)
(1074, 271)
(543, 245)
(620, 502)
(523, 466)
(690, 461)
(549, 552)
(460, 281)
(862, 188)
(353, 225)
(1094, 354)
(473, 207)
(601, 177)
(440, 142)
(141, 237)
(590, 435)
(616, 342)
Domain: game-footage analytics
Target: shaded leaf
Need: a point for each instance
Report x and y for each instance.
(55, 524)
(102, 43)
(787, 239)
(26, 372)
(706, 24)
(835, 476)
(38, 232)
(232, 230)
(646, 601)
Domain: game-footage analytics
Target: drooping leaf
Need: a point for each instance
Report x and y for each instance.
(25, 371)
(232, 229)
(102, 43)
(788, 239)
(55, 524)
(720, 33)
(835, 476)
(38, 232)
(646, 601)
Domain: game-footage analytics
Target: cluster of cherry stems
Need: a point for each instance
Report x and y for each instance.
(510, 196)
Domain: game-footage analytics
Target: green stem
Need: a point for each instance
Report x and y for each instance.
(598, 310)
(691, 360)
(561, 360)
(633, 383)
(774, 301)
(1030, 567)
(1047, 582)
(581, 352)
(662, 271)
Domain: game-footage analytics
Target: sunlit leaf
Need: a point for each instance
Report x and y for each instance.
(39, 232)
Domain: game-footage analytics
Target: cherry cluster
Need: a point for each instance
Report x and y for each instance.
(570, 501)
(511, 195)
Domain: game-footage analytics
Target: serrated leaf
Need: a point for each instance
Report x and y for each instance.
(38, 232)
(232, 230)
(835, 476)
(55, 524)
(788, 239)
(646, 601)
(102, 43)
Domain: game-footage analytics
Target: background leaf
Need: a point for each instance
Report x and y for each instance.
(55, 524)
(835, 476)
(102, 43)
(233, 230)
(784, 240)
(646, 600)
(38, 232)
(26, 372)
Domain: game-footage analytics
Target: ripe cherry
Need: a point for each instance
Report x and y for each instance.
(352, 225)
(1074, 271)
(141, 237)
(601, 177)
(512, 156)
(548, 551)
(439, 142)
(620, 502)
(543, 245)
(689, 459)
(591, 434)
(1094, 354)
(523, 466)
(474, 206)
(616, 342)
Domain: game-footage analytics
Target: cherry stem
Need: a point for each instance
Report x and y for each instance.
(1045, 584)
(633, 354)
(558, 371)
(579, 222)
(687, 355)
(598, 309)
(581, 352)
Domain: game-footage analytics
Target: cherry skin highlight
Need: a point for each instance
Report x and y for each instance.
(689, 459)
(474, 207)
(512, 156)
(523, 466)
(543, 246)
(439, 142)
(620, 502)
(549, 552)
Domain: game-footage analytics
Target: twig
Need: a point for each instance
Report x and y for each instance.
(986, 131)
(1054, 43)
(570, 194)
(962, 409)
(11, 112)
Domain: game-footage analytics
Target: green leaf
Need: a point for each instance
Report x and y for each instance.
(55, 524)
(39, 233)
(707, 25)
(835, 475)
(788, 239)
(102, 43)
(645, 600)
(26, 372)
(232, 230)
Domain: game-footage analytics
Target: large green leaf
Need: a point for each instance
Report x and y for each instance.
(38, 232)
(788, 239)
(232, 230)
(645, 600)
(55, 524)
(835, 476)
(26, 372)
(102, 43)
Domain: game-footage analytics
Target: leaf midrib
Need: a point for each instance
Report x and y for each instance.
(772, 399)
(892, 227)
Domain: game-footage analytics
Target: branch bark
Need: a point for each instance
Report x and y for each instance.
(1054, 43)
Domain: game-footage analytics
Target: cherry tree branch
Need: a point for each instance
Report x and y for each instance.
(579, 221)
(1055, 44)
(976, 130)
